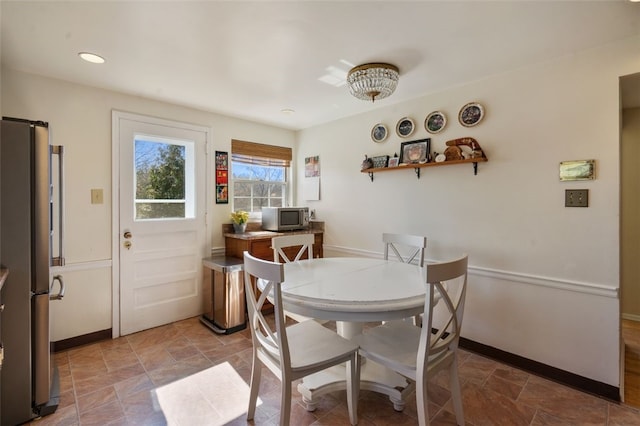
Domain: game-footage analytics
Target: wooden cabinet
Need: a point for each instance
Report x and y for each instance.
(259, 245)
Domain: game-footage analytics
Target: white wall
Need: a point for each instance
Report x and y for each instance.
(544, 278)
(80, 119)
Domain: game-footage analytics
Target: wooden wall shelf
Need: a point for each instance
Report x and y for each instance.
(417, 167)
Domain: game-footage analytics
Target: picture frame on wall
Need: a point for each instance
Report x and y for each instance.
(415, 152)
(577, 170)
(435, 122)
(379, 133)
(405, 127)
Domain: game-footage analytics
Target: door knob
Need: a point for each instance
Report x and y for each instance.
(127, 234)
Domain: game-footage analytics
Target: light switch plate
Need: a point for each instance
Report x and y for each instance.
(576, 198)
(96, 196)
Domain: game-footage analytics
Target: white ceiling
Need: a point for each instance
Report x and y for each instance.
(253, 59)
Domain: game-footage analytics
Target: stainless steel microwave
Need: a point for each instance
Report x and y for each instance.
(285, 218)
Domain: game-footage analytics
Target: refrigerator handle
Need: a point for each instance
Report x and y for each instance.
(60, 294)
(59, 151)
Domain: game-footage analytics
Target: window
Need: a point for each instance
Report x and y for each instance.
(164, 178)
(259, 176)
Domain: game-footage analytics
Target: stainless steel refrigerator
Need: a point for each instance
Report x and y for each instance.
(31, 242)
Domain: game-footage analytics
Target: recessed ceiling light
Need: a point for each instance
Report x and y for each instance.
(287, 111)
(91, 57)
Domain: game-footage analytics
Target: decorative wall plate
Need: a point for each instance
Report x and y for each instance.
(471, 114)
(435, 122)
(405, 127)
(379, 133)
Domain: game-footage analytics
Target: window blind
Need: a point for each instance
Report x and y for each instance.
(260, 154)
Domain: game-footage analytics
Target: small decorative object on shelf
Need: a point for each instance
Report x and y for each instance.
(435, 122)
(471, 114)
(476, 151)
(393, 162)
(366, 164)
(380, 161)
(405, 127)
(239, 219)
(379, 133)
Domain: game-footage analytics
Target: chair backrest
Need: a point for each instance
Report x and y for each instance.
(266, 339)
(303, 240)
(449, 280)
(414, 243)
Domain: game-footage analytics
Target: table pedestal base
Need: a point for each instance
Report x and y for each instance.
(373, 377)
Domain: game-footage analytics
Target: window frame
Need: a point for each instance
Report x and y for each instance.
(252, 153)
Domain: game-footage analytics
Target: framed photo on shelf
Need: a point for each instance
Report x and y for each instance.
(415, 151)
(393, 162)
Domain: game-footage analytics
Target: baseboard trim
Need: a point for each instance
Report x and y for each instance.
(85, 339)
(575, 381)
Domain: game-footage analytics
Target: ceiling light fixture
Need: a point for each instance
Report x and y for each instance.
(91, 57)
(373, 81)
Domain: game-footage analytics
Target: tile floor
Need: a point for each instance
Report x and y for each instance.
(183, 374)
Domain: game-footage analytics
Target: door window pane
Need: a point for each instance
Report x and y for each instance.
(164, 178)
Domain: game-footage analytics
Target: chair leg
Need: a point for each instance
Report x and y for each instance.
(353, 388)
(285, 401)
(256, 372)
(422, 403)
(456, 394)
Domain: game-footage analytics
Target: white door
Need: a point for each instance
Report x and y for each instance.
(161, 228)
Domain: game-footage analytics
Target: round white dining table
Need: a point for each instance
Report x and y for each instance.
(353, 291)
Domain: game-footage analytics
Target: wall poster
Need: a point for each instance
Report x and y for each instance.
(222, 177)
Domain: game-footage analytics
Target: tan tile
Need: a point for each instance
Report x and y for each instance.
(509, 389)
(622, 415)
(140, 404)
(154, 358)
(103, 415)
(178, 370)
(119, 356)
(156, 337)
(476, 369)
(512, 375)
(563, 402)
(96, 399)
(65, 416)
(482, 406)
(133, 385)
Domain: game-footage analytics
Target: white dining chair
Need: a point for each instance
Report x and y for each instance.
(291, 352)
(305, 244)
(399, 245)
(304, 241)
(418, 353)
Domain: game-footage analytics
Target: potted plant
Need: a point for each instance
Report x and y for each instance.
(239, 219)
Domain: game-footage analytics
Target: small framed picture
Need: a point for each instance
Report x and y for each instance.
(471, 114)
(393, 161)
(578, 170)
(405, 127)
(435, 122)
(415, 151)
(379, 133)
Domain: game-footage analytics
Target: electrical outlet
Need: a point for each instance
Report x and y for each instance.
(576, 198)
(312, 214)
